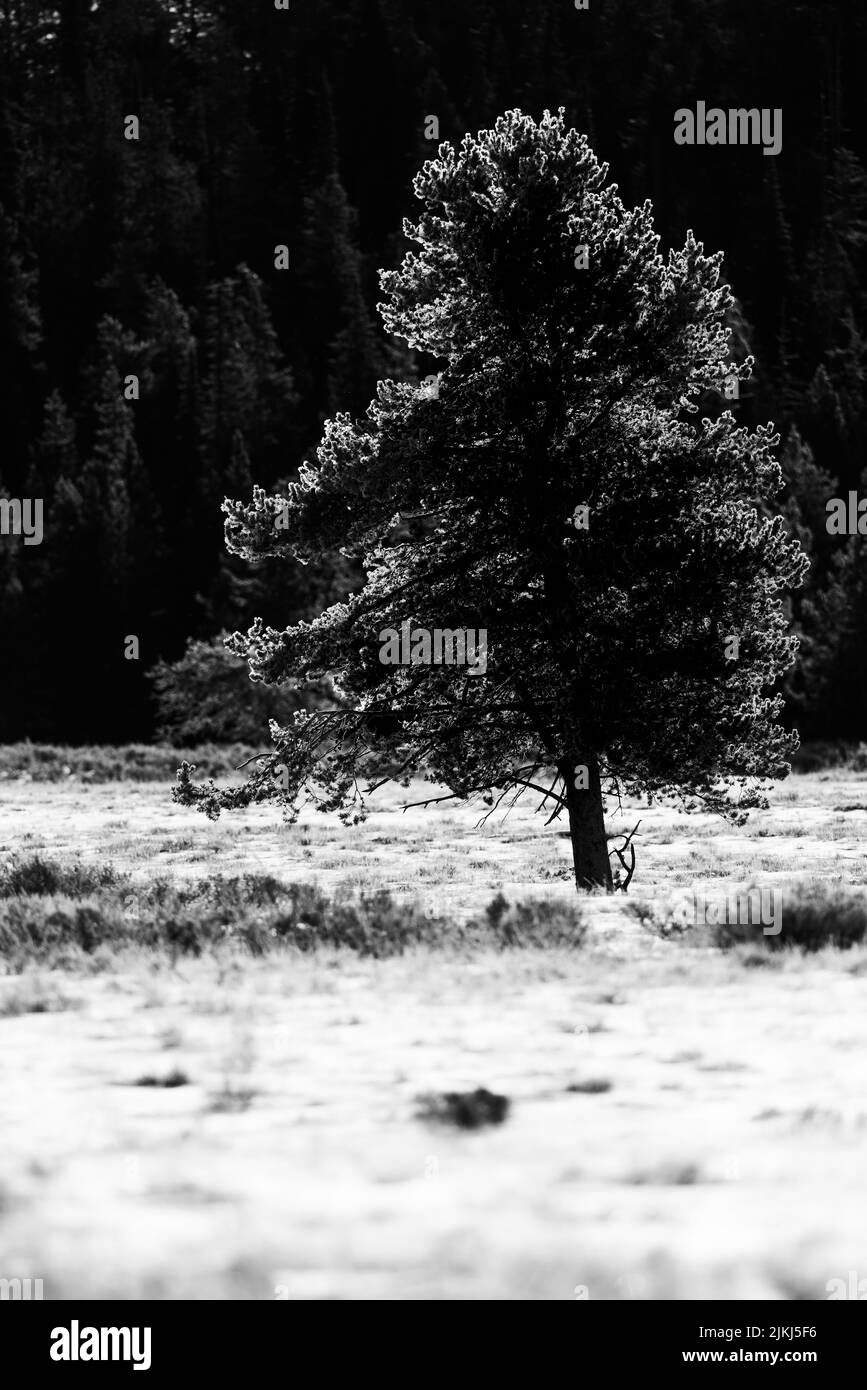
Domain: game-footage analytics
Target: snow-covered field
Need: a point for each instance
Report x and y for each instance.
(684, 1123)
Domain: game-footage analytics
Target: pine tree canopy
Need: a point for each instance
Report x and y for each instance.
(558, 490)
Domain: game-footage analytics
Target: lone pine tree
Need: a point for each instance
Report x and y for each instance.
(557, 491)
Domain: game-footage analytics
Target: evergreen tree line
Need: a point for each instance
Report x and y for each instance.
(155, 259)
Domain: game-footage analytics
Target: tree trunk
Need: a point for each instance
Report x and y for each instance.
(587, 824)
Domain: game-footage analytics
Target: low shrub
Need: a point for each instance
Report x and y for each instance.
(49, 911)
(464, 1109)
(535, 922)
(132, 762)
(41, 877)
(816, 757)
(671, 919)
(207, 697)
(812, 918)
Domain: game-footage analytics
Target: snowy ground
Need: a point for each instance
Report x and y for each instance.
(713, 1144)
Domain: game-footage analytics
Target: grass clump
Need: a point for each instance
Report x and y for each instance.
(50, 911)
(670, 920)
(811, 919)
(464, 1109)
(32, 995)
(34, 875)
(534, 922)
(133, 762)
(169, 1081)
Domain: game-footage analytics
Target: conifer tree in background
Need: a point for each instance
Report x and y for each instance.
(558, 491)
(20, 345)
(245, 408)
(245, 386)
(342, 350)
(52, 576)
(207, 696)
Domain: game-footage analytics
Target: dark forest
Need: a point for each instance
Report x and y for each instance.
(157, 258)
